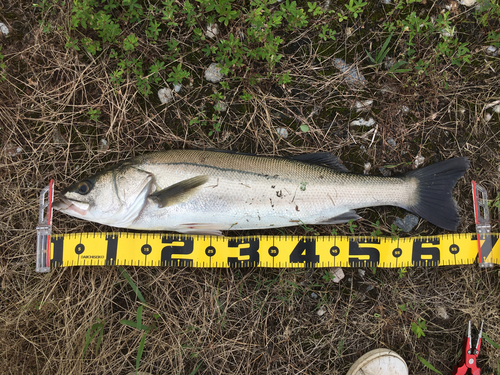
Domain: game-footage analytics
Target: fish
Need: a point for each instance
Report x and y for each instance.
(208, 192)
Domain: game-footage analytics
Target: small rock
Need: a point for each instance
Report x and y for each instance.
(389, 62)
(212, 30)
(448, 31)
(496, 108)
(321, 311)
(487, 117)
(467, 3)
(441, 312)
(385, 172)
(220, 106)
(57, 138)
(387, 2)
(314, 295)
(408, 223)
(361, 272)
(492, 104)
(241, 34)
(419, 160)
(316, 110)
(364, 106)
(366, 168)
(282, 132)
(353, 78)
(13, 150)
(103, 145)
(4, 29)
(405, 109)
(177, 87)
(363, 122)
(492, 50)
(213, 73)
(337, 274)
(165, 95)
(391, 142)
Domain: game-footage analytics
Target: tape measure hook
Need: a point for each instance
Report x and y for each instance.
(44, 229)
(483, 226)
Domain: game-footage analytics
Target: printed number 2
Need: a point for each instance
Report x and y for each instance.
(183, 248)
(305, 251)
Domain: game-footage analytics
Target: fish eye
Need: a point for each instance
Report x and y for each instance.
(84, 187)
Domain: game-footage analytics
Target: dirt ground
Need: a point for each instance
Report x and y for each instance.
(250, 320)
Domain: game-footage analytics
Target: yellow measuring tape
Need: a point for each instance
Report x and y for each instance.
(157, 249)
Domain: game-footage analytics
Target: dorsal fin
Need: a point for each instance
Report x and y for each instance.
(326, 159)
(322, 158)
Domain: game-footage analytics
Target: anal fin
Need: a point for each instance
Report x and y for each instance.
(342, 218)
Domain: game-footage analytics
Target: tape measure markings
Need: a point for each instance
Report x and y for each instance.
(159, 249)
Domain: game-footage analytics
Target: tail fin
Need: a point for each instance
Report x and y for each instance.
(435, 186)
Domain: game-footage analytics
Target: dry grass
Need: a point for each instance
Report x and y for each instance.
(248, 321)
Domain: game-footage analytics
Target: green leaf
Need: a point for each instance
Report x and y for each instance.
(341, 346)
(139, 315)
(383, 51)
(128, 323)
(195, 370)
(428, 365)
(140, 350)
(304, 128)
(132, 284)
(490, 341)
(370, 57)
(418, 328)
(130, 42)
(135, 325)
(95, 330)
(394, 68)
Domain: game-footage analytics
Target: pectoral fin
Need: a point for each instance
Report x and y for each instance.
(179, 192)
(342, 218)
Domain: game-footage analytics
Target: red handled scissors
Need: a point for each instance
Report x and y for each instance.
(469, 355)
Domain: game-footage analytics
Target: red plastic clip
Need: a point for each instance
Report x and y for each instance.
(469, 355)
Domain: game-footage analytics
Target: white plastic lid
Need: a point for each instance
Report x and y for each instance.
(379, 361)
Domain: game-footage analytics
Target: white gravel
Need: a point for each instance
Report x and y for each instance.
(165, 95)
(4, 29)
(213, 73)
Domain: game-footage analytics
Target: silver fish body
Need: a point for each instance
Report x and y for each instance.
(192, 191)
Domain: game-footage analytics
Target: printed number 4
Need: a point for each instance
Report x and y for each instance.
(305, 251)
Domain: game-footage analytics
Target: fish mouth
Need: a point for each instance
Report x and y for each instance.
(70, 206)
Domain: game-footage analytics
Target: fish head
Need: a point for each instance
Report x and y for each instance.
(114, 197)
